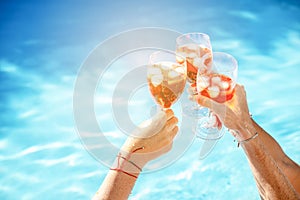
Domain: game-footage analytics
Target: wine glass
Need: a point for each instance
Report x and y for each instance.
(197, 50)
(166, 77)
(218, 85)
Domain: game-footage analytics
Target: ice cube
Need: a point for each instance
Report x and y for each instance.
(216, 80)
(192, 47)
(198, 62)
(205, 56)
(204, 51)
(174, 66)
(201, 85)
(180, 70)
(213, 91)
(191, 55)
(203, 82)
(166, 65)
(180, 58)
(208, 62)
(173, 74)
(202, 70)
(224, 85)
(175, 81)
(157, 79)
(205, 78)
(157, 65)
(153, 71)
(181, 49)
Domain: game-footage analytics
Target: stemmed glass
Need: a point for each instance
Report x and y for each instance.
(197, 50)
(218, 84)
(166, 77)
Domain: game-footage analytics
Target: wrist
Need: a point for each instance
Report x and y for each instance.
(132, 155)
(245, 130)
(138, 159)
(125, 164)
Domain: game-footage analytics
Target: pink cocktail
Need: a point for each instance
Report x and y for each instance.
(196, 49)
(217, 84)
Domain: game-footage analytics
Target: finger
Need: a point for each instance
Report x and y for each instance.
(218, 108)
(174, 132)
(240, 93)
(169, 113)
(171, 123)
(162, 116)
(165, 149)
(240, 88)
(172, 120)
(153, 125)
(209, 103)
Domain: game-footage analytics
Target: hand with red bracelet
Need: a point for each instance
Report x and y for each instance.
(150, 140)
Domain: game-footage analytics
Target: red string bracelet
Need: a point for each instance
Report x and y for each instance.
(119, 167)
(120, 156)
(120, 170)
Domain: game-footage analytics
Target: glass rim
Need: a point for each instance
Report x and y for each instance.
(233, 67)
(192, 33)
(169, 52)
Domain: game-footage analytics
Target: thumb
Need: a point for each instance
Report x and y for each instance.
(209, 103)
(206, 102)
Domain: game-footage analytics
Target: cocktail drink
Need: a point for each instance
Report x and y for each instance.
(220, 82)
(166, 78)
(198, 57)
(218, 85)
(196, 49)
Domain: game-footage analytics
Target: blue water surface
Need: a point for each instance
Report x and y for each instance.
(44, 43)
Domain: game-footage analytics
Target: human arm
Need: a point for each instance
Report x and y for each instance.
(153, 138)
(286, 164)
(275, 174)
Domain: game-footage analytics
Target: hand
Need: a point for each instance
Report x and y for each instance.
(234, 113)
(214, 120)
(153, 138)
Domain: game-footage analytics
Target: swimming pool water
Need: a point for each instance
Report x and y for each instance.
(41, 155)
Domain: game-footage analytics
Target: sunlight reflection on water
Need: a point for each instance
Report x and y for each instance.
(42, 157)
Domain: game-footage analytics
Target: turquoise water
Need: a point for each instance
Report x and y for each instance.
(42, 48)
